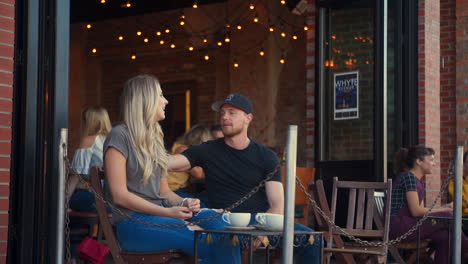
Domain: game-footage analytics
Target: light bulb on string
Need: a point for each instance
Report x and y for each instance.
(251, 6)
(103, 1)
(88, 26)
(206, 57)
(128, 4)
(191, 48)
(239, 27)
(195, 4)
(121, 37)
(146, 40)
(271, 28)
(262, 53)
(228, 26)
(255, 19)
(182, 20)
(294, 37)
(161, 42)
(173, 46)
(138, 33)
(94, 50)
(306, 27)
(235, 64)
(283, 34)
(220, 43)
(167, 30)
(205, 40)
(282, 60)
(283, 2)
(158, 33)
(133, 57)
(227, 39)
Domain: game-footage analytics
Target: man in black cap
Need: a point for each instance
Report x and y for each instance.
(236, 164)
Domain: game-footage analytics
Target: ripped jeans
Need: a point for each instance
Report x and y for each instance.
(134, 236)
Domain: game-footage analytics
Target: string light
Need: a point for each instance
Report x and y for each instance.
(283, 2)
(103, 1)
(228, 26)
(94, 50)
(294, 36)
(121, 37)
(227, 39)
(306, 27)
(173, 46)
(195, 4)
(88, 26)
(133, 57)
(205, 40)
(236, 64)
(161, 42)
(282, 60)
(158, 33)
(271, 29)
(220, 43)
(251, 6)
(128, 4)
(239, 27)
(167, 30)
(255, 19)
(138, 33)
(182, 20)
(146, 40)
(191, 48)
(207, 57)
(262, 53)
(283, 34)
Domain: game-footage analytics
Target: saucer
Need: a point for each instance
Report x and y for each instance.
(240, 228)
(266, 228)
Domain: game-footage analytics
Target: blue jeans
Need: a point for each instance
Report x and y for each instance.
(134, 236)
(203, 197)
(305, 254)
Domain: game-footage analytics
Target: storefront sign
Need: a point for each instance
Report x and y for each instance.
(346, 97)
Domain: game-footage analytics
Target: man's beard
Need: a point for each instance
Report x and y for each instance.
(232, 132)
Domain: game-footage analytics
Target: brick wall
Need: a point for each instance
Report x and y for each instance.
(462, 72)
(7, 25)
(429, 86)
(447, 85)
(310, 84)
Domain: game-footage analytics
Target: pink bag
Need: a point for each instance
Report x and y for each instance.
(92, 251)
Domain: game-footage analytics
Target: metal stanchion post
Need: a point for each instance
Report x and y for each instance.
(457, 206)
(61, 195)
(288, 237)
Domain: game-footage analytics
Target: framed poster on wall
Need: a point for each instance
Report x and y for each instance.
(346, 95)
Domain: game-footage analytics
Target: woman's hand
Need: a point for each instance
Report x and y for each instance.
(180, 212)
(192, 204)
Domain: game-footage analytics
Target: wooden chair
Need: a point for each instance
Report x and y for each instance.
(360, 220)
(410, 247)
(317, 191)
(120, 256)
(302, 204)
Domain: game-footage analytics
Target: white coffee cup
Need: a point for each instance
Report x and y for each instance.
(270, 221)
(237, 219)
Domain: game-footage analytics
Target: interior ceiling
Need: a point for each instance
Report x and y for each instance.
(94, 10)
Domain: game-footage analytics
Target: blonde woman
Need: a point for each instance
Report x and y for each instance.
(96, 125)
(135, 162)
(179, 181)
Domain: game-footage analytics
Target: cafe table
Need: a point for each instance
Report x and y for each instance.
(248, 236)
(449, 221)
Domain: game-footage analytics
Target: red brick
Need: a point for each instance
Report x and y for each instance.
(4, 203)
(3, 219)
(7, 24)
(7, 37)
(5, 119)
(6, 51)
(6, 92)
(7, 10)
(6, 64)
(3, 245)
(6, 105)
(6, 78)
(5, 147)
(4, 177)
(4, 233)
(5, 162)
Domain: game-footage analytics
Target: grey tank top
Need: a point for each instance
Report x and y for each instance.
(119, 139)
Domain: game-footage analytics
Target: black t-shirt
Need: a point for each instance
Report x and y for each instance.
(231, 173)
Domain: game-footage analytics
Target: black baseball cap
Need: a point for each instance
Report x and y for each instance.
(236, 100)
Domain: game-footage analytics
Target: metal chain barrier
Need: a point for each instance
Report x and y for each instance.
(373, 243)
(119, 211)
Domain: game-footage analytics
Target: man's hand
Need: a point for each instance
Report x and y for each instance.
(258, 242)
(192, 204)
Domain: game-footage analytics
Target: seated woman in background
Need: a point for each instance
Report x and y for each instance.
(96, 125)
(136, 162)
(411, 166)
(451, 187)
(179, 181)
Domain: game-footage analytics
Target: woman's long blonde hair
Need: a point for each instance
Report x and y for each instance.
(140, 102)
(95, 121)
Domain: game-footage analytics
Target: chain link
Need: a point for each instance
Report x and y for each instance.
(373, 243)
(119, 211)
(67, 216)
